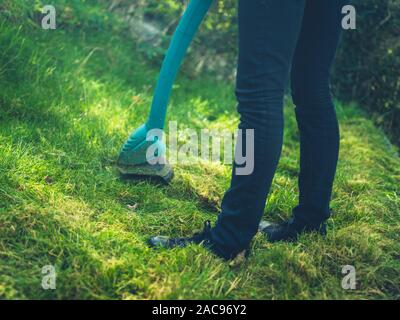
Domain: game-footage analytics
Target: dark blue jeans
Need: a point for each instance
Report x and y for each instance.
(279, 38)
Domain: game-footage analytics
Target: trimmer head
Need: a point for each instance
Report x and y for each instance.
(146, 171)
(143, 156)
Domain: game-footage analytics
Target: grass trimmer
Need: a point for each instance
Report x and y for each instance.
(134, 158)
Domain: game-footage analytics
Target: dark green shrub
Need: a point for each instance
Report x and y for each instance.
(368, 63)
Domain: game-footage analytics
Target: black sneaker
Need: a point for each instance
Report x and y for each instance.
(202, 237)
(289, 230)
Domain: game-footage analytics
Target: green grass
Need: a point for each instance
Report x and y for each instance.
(68, 100)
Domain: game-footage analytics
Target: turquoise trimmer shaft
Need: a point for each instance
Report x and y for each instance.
(133, 159)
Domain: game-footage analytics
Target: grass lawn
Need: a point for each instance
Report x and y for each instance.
(68, 100)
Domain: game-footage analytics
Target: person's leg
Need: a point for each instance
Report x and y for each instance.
(315, 111)
(268, 33)
(316, 117)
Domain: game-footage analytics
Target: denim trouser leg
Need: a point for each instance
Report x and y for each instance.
(272, 34)
(268, 32)
(315, 111)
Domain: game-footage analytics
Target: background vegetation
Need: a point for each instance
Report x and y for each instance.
(68, 100)
(368, 66)
(368, 62)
